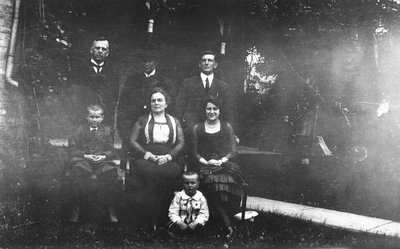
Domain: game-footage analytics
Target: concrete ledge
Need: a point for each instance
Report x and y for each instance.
(59, 142)
(243, 150)
(255, 151)
(326, 217)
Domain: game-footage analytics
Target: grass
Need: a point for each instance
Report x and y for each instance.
(33, 218)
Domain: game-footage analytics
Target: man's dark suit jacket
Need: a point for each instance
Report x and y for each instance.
(88, 87)
(190, 103)
(135, 99)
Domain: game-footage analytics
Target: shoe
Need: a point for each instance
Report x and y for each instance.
(75, 215)
(112, 215)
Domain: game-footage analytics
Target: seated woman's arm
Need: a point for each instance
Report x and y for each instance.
(232, 145)
(134, 139)
(180, 140)
(195, 146)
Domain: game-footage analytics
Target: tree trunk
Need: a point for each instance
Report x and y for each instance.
(6, 19)
(12, 152)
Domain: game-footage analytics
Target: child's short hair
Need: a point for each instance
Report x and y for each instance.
(191, 173)
(95, 108)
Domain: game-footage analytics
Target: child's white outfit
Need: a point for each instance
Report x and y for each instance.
(189, 208)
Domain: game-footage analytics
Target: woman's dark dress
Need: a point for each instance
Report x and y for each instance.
(220, 183)
(152, 184)
(156, 177)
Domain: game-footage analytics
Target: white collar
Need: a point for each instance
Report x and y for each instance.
(204, 76)
(94, 128)
(150, 74)
(196, 196)
(94, 62)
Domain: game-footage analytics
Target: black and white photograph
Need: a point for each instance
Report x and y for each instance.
(200, 124)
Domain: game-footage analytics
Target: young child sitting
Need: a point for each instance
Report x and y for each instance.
(188, 211)
(93, 173)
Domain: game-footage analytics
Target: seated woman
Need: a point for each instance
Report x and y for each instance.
(157, 139)
(214, 148)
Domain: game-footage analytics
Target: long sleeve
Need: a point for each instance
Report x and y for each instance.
(134, 138)
(195, 139)
(174, 210)
(232, 142)
(203, 216)
(180, 140)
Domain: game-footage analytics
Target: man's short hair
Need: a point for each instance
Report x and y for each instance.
(209, 52)
(101, 38)
(191, 173)
(95, 108)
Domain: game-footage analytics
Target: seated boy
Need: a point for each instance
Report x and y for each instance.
(188, 211)
(94, 174)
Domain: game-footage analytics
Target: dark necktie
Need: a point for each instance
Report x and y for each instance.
(207, 85)
(98, 67)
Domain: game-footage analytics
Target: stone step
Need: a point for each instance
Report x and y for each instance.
(326, 217)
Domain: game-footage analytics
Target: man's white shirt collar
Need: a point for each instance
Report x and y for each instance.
(150, 74)
(95, 63)
(203, 79)
(94, 128)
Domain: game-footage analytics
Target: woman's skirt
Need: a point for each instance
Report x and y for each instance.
(222, 182)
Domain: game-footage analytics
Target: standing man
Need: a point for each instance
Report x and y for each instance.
(190, 103)
(94, 81)
(134, 97)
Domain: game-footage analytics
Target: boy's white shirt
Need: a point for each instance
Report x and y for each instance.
(176, 214)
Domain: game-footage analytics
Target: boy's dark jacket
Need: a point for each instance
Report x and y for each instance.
(84, 141)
